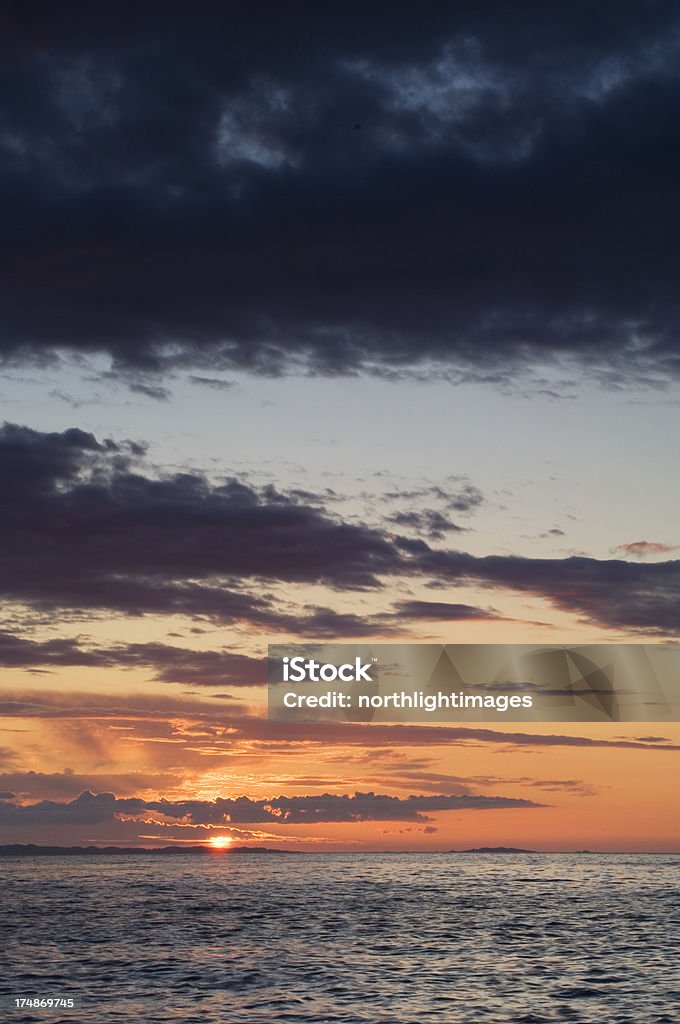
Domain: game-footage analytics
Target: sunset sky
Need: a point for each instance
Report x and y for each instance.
(335, 327)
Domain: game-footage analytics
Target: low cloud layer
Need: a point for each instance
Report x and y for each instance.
(93, 809)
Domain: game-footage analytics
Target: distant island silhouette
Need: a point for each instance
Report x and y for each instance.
(495, 849)
(34, 850)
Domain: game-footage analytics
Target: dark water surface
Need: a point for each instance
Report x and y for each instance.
(405, 939)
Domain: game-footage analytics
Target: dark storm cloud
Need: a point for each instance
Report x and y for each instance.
(85, 526)
(81, 526)
(614, 593)
(341, 188)
(90, 809)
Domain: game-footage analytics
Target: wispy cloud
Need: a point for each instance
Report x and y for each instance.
(645, 548)
(176, 718)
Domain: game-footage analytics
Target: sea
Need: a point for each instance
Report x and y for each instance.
(263, 938)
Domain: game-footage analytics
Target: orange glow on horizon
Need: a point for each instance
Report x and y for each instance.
(220, 842)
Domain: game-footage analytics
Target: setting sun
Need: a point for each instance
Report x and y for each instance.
(220, 842)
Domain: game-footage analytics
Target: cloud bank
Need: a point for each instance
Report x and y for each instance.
(345, 191)
(93, 809)
(86, 526)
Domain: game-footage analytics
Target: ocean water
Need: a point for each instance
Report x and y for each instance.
(401, 938)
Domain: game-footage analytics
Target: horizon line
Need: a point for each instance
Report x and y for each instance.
(8, 848)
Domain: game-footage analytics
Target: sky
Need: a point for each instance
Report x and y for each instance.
(332, 325)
